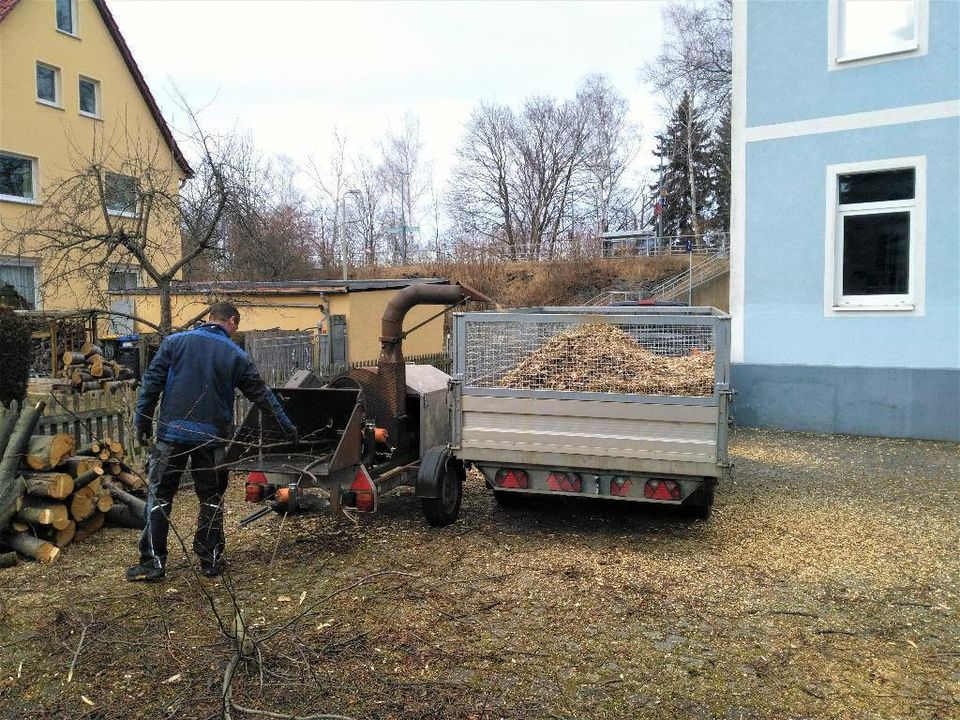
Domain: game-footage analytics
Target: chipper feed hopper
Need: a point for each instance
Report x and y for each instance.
(364, 434)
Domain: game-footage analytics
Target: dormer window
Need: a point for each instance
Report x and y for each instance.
(67, 16)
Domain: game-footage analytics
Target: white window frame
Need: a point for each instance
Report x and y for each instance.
(96, 94)
(57, 86)
(33, 180)
(913, 302)
(27, 262)
(74, 17)
(915, 49)
(115, 211)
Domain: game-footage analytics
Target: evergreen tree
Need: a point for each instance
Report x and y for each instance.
(684, 150)
(14, 356)
(720, 173)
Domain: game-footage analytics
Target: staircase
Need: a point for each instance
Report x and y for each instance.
(705, 268)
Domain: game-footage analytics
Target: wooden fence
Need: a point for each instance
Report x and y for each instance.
(92, 416)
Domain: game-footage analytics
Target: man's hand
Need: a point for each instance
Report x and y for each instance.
(293, 436)
(144, 432)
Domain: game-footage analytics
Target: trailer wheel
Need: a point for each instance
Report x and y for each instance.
(445, 508)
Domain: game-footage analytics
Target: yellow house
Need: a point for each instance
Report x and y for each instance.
(76, 116)
(348, 312)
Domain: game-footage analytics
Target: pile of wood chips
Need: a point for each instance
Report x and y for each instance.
(52, 494)
(605, 359)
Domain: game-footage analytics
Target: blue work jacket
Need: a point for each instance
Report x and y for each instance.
(197, 373)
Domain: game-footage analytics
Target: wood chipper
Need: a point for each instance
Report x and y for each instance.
(362, 435)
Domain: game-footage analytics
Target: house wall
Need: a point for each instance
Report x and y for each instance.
(363, 311)
(797, 364)
(60, 137)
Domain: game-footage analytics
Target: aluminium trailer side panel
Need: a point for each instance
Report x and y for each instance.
(660, 434)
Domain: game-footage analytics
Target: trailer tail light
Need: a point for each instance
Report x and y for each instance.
(364, 490)
(661, 490)
(256, 487)
(512, 479)
(564, 482)
(620, 486)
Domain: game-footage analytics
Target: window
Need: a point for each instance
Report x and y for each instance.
(89, 97)
(120, 194)
(48, 84)
(122, 279)
(875, 239)
(16, 177)
(875, 30)
(67, 16)
(18, 284)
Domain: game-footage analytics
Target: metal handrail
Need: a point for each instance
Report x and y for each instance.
(703, 270)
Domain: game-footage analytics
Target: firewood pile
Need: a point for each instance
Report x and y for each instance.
(53, 493)
(605, 359)
(87, 370)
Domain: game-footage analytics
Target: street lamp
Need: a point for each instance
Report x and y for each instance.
(345, 260)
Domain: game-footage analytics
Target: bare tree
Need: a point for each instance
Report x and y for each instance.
(368, 205)
(118, 206)
(611, 148)
(332, 182)
(695, 63)
(406, 177)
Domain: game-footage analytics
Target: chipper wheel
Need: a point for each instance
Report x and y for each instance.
(440, 486)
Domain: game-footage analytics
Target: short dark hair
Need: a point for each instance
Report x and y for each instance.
(223, 311)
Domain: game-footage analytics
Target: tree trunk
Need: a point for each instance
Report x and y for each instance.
(79, 465)
(60, 538)
(44, 512)
(30, 546)
(122, 516)
(166, 317)
(89, 349)
(87, 478)
(50, 485)
(89, 526)
(104, 500)
(92, 450)
(45, 452)
(691, 172)
(10, 416)
(137, 506)
(83, 503)
(73, 358)
(11, 485)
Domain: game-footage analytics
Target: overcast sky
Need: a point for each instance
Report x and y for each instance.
(292, 71)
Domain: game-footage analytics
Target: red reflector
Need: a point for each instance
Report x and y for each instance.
(363, 486)
(254, 492)
(257, 477)
(510, 478)
(564, 482)
(620, 486)
(662, 490)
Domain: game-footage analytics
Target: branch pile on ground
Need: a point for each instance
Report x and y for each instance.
(53, 494)
(86, 370)
(605, 359)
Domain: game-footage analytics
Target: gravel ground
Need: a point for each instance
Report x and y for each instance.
(824, 586)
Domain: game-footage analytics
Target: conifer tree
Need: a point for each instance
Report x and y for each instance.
(720, 159)
(685, 187)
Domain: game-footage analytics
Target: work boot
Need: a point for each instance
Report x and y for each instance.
(211, 570)
(145, 572)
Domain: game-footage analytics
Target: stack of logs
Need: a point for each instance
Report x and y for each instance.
(57, 494)
(87, 370)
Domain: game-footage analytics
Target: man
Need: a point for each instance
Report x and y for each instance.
(197, 372)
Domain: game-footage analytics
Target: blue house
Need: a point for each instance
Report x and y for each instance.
(845, 248)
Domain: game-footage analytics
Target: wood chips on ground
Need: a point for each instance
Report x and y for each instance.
(605, 359)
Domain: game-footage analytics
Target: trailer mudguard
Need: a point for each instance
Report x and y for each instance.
(431, 471)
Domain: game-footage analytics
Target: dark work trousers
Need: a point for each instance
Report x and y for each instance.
(167, 463)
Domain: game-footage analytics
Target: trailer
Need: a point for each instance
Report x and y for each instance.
(658, 447)
(362, 435)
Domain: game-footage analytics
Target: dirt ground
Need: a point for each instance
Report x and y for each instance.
(824, 586)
